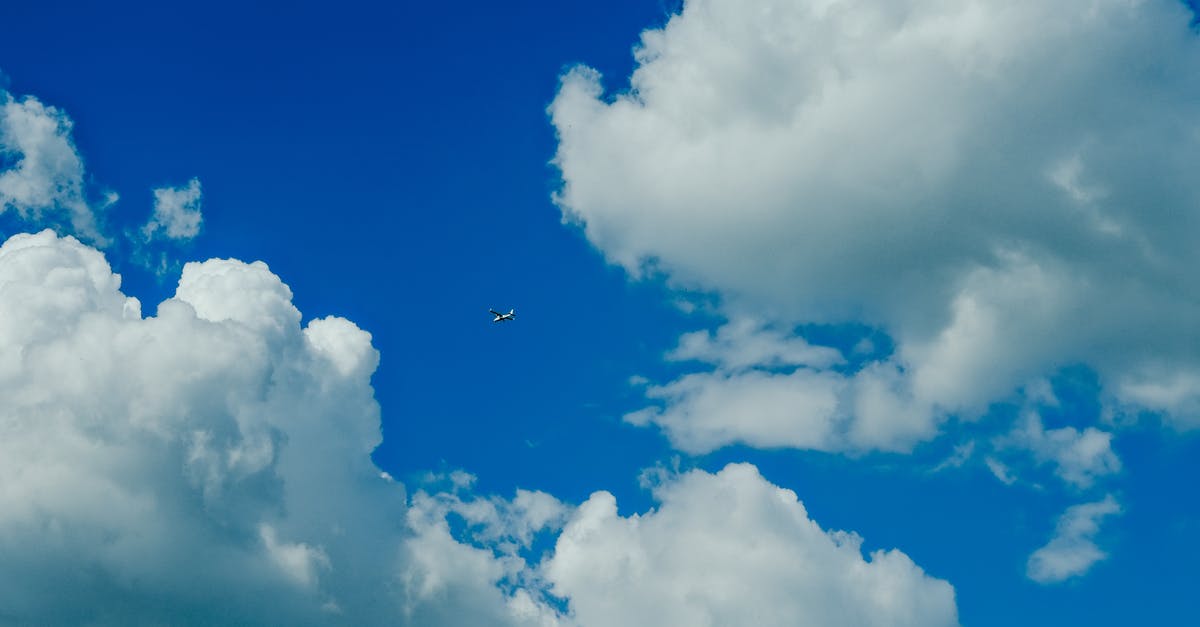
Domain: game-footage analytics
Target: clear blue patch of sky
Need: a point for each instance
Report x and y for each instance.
(1194, 5)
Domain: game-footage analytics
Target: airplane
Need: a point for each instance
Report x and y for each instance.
(504, 317)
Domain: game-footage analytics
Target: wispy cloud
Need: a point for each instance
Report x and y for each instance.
(1073, 550)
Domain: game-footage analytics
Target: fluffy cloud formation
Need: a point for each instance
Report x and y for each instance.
(207, 465)
(704, 411)
(1079, 457)
(1072, 550)
(732, 549)
(495, 533)
(1004, 188)
(210, 464)
(41, 173)
(176, 212)
(771, 390)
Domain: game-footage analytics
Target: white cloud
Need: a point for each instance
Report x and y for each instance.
(494, 534)
(209, 464)
(507, 525)
(447, 581)
(1072, 551)
(962, 453)
(1002, 187)
(176, 212)
(1000, 470)
(707, 410)
(1160, 388)
(745, 343)
(732, 549)
(298, 561)
(41, 172)
(724, 548)
(764, 394)
(1079, 457)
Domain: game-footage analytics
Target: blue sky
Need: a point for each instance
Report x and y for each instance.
(408, 167)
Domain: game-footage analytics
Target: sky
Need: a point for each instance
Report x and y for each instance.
(829, 312)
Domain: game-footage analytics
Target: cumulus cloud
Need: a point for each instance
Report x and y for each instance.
(41, 172)
(732, 549)
(705, 411)
(1168, 390)
(1079, 457)
(745, 343)
(773, 390)
(176, 212)
(1003, 188)
(209, 464)
(1072, 551)
(446, 581)
(491, 545)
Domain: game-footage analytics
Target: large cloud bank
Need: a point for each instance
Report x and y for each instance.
(207, 465)
(210, 464)
(732, 549)
(1003, 187)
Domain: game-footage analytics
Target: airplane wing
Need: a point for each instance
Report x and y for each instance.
(495, 313)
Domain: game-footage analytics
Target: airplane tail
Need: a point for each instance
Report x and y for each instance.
(512, 312)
